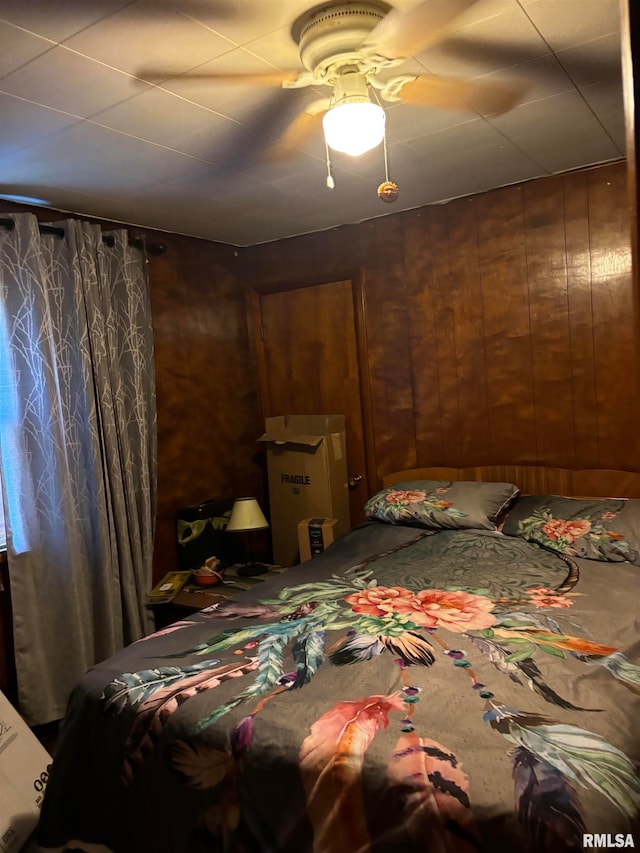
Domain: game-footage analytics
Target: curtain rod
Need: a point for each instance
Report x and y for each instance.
(108, 239)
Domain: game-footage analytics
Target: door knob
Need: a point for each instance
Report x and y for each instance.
(353, 480)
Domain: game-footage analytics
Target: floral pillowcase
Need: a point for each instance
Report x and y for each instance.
(442, 504)
(594, 529)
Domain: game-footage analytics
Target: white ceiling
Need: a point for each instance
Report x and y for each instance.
(80, 131)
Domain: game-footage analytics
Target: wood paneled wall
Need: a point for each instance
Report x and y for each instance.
(207, 396)
(500, 328)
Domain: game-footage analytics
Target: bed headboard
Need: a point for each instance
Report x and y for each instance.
(535, 479)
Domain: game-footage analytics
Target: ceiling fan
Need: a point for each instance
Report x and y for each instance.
(350, 46)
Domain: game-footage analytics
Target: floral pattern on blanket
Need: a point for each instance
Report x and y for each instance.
(353, 620)
(397, 505)
(589, 534)
(457, 559)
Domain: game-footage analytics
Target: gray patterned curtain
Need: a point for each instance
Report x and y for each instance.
(77, 451)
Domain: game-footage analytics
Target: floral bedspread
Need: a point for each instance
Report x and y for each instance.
(455, 691)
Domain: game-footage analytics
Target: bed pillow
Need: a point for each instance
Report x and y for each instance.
(594, 529)
(442, 504)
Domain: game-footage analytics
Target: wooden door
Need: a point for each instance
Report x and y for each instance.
(307, 345)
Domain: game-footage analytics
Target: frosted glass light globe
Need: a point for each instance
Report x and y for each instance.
(354, 128)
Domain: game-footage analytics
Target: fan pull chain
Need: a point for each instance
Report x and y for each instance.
(330, 181)
(387, 191)
(386, 156)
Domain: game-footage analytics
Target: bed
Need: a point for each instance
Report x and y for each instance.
(458, 674)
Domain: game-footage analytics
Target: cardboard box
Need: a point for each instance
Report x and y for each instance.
(307, 470)
(24, 764)
(314, 536)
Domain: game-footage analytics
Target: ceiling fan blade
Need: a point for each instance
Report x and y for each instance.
(302, 128)
(275, 78)
(451, 93)
(405, 33)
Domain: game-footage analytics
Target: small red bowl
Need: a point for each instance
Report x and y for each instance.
(206, 578)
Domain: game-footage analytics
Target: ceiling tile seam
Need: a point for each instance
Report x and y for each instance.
(520, 150)
(55, 43)
(162, 88)
(132, 77)
(154, 144)
(134, 3)
(579, 91)
(98, 21)
(570, 77)
(92, 116)
(262, 59)
(182, 98)
(240, 44)
(577, 44)
(150, 86)
(556, 56)
(168, 92)
(52, 45)
(202, 106)
(587, 104)
(235, 47)
(27, 31)
(82, 120)
(622, 151)
(168, 186)
(554, 52)
(267, 137)
(207, 27)
(47, 136)
(507, 140)
(91, 120)
(43, 106)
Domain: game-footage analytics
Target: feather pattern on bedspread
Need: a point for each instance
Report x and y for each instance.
(434, 693)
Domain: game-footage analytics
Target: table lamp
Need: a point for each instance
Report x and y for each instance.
(247, 517)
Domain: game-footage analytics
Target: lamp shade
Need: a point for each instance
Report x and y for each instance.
(354, 128)
(246, 515)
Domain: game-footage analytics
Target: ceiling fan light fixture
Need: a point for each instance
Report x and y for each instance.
(354, 128)
(354, 124)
